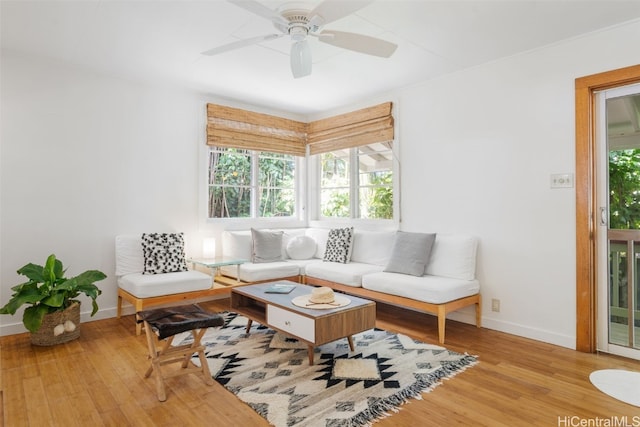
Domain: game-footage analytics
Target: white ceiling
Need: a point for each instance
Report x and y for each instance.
(161, 41)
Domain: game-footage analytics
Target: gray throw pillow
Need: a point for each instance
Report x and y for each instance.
(266, 246)
(410, 253)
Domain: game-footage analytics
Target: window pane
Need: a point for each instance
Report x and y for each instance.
(376, 202)
(375, 176)
(335, 202)
(277, 202)
(334, 194)
(229, 183)
(229, 202)
(277, 185)
(235, 189)
(276, 170)
(624, 189)
(229, 166)
(335, 169)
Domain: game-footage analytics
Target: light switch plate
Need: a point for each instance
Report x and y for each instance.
(562, 180)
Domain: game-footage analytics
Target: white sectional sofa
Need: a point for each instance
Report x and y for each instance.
(449, 283)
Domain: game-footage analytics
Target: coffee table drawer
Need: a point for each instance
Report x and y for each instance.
(293, 323)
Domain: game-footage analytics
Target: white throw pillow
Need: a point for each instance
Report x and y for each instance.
(301, 247)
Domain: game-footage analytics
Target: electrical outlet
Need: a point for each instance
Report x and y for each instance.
(562, 180)
(495, 305)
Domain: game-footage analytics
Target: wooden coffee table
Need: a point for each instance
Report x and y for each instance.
(312, 326)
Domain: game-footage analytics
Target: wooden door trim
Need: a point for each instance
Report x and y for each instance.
(586, 215)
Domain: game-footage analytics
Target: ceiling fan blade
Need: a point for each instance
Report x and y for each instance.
(358, 43)
(241, 43)
(260, 10)
(300, 59)
(332, 10)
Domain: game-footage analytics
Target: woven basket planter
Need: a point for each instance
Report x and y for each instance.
(46, 336)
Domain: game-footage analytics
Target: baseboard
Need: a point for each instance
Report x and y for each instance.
(467, 315)
(529, 332)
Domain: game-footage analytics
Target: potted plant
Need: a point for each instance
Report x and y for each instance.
(53, 315)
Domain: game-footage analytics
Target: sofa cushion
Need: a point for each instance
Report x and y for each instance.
(129, 258)
(410, 253)
(339, 245)
(432, 289)
(252, 272)
(303, 263)
(146, 285)
(266, 246)
(347, 274)
(237, 244)
(301, 247)
(163, 253)
(454, 256)
(372, 247)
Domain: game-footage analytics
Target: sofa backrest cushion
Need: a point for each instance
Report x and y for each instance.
(237, 244)
(454, 256)
(372, 247)
(320, 235)
(129, 255)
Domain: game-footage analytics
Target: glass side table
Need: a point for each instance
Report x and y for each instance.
(215, 263)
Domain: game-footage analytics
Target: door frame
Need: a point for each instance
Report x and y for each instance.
(586, 201)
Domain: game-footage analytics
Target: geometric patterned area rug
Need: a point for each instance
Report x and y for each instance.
(270, 372)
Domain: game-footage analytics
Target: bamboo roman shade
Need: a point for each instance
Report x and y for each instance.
(361, 127)
(233, 127)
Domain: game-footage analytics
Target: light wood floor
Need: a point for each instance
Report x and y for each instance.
(98, 380)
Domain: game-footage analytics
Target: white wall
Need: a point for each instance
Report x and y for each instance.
(482, 144)
(85, 157)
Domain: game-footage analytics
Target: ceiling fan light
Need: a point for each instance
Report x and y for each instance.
(300, 59)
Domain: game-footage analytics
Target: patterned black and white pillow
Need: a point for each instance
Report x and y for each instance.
(339, 244)
(163, 253)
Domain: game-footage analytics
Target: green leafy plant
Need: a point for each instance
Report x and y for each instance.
(47, 291)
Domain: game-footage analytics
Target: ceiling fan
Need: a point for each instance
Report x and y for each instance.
(299, 22)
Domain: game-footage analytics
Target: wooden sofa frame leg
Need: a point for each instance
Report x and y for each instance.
(443, 309)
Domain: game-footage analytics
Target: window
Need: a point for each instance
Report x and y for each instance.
(357, 182)
(251, 184)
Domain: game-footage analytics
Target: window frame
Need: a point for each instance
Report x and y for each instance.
(254, 188)
(315, 171)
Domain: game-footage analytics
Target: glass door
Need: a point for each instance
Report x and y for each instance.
(618, 320)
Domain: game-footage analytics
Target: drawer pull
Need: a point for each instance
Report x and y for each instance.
(286, 322)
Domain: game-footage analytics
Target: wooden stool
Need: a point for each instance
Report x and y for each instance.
(161, 325)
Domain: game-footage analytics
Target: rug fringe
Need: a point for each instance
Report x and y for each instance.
(425, 383)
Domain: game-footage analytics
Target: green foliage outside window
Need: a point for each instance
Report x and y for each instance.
(374, 186)
(231, 189)
(277, 183)
(624, 189)
(377, 201)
